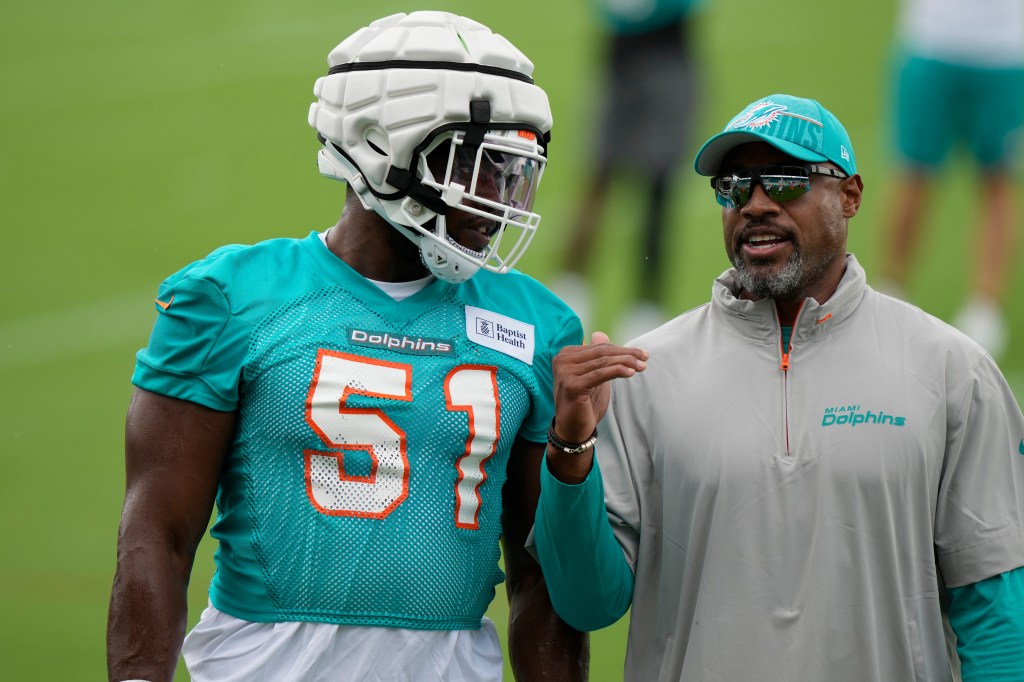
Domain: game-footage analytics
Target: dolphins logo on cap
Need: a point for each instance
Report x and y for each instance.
(759, 115)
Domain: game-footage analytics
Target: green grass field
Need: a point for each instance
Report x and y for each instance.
(140, 136)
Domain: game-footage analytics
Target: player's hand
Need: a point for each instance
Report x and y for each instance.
(581, 377)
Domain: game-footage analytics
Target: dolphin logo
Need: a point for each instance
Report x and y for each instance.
(762, 114)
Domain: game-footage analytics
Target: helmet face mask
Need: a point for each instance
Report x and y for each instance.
(431, 117)
(496, 181)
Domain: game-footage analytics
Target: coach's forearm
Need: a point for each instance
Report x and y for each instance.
(588, 577)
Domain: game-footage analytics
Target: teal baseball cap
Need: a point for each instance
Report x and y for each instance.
(796, 126)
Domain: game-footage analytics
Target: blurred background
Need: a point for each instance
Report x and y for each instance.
(138, 137)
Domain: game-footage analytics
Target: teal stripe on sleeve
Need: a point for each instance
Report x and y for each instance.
(988, 619)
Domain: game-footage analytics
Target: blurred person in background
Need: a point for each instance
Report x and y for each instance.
(959, 83)
(802, 480)
(368, 405)
(646, 111)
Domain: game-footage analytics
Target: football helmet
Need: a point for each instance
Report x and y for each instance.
(428, 111)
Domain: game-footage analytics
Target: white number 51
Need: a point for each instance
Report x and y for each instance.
(472, 389)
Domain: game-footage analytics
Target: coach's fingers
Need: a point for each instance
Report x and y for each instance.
(586, 376)
(601, 343)
(577, 360)
(601, 347)
(577, 376)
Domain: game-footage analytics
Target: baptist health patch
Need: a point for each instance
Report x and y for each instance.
(498, 332)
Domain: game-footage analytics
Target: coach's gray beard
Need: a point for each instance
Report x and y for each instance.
(782, 284)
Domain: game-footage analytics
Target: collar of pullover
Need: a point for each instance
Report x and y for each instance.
(758, 319)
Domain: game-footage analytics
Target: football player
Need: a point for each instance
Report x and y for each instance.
(367, 405)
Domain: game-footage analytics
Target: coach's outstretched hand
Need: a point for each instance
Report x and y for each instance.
(582, 392)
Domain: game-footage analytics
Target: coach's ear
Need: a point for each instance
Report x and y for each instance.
(852, 189)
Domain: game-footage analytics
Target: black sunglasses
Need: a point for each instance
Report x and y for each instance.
(781, 183)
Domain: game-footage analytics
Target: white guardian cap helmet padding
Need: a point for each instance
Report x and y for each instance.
(410, 85)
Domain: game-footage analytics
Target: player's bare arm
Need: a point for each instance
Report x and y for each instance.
(173, 454)
(541, 646)
(582, 393)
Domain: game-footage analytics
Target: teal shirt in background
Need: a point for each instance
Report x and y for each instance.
(640, 16)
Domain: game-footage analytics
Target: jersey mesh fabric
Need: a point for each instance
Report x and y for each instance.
(300, 535)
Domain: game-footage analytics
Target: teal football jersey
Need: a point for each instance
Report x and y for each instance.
(363, 485)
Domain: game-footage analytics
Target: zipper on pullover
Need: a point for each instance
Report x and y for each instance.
(785, 361)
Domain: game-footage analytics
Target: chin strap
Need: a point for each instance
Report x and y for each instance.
(407, 184)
